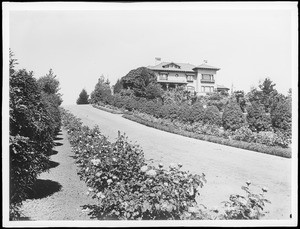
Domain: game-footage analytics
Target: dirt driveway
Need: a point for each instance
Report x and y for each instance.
(226, 168)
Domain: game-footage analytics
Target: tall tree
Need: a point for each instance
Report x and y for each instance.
(118, 86)
(83, 97)
(138, 80)
(102, 91)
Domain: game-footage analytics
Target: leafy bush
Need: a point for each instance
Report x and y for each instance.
(233, 116)
(257, 118)
(244, 134)
(281, 116)
(197, 113)
(184, 112)
(125, 186)
(34, 121)
(212, 116)
(248, 207)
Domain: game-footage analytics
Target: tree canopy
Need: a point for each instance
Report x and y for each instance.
(83, 97)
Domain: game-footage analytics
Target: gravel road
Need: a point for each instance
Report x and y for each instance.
(59, 193)
(226, 168)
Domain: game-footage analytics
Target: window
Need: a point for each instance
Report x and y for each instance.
(163, 76)
(190, 88)
(189, 78)
(208, 77)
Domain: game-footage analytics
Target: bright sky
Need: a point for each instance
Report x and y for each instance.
(247, 44)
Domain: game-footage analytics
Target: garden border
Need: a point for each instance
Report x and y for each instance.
(271, 150)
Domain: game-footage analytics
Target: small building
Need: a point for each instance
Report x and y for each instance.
(199, 79)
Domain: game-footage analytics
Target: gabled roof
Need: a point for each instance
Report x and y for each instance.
(183, 67)
(205, 66)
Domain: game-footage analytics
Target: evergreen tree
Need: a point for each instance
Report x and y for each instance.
(83, 97)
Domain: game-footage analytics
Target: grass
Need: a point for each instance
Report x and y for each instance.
(272, 150)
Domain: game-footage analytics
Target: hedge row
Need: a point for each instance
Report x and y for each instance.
(277, 151)
(113, 111)
(128, 188)
(124, 184)
(34, 122)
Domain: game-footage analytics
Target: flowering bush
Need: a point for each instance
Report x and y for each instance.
(125, 185)
(244, 134)
(250, 206)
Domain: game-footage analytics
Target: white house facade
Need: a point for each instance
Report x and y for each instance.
(199, 79)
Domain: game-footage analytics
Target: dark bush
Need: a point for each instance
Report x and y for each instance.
(212, 116)
(83, 97)
(197, 113)
(232, 117)
(281, 116)
(184, 112)
(257, 118)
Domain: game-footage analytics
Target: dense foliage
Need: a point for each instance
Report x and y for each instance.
(102, 91)
(83, 97)
(212, 116)
(281, 116)
(143, 83)
(233, 117)
(33, 126)
(257, 119)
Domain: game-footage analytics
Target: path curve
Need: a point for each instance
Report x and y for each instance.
(226, 168)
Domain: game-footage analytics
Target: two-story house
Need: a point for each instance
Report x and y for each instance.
(199, 79)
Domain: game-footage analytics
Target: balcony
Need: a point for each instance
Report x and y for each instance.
(165, 79)
(207, 81)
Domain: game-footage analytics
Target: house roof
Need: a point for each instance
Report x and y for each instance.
(205, 66)
(222, 87)
(183, 67)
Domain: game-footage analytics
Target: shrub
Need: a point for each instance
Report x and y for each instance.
(125, 186)
(244, 134)
(246, 207)
(184, 112)
(151, 107)
(281, 116)
(212, 116)
(197, 113)
(33, 124)
(232, 116)
(257, 118)
(198, 131)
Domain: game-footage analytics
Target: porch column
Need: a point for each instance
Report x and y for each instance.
(167, 86)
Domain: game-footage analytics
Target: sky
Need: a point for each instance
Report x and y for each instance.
(247, 44)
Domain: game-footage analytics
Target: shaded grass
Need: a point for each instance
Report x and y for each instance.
(272, 150)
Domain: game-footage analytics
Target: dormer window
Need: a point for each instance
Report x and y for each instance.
(171, 65)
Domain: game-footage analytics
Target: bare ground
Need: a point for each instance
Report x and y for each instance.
(59, 194)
